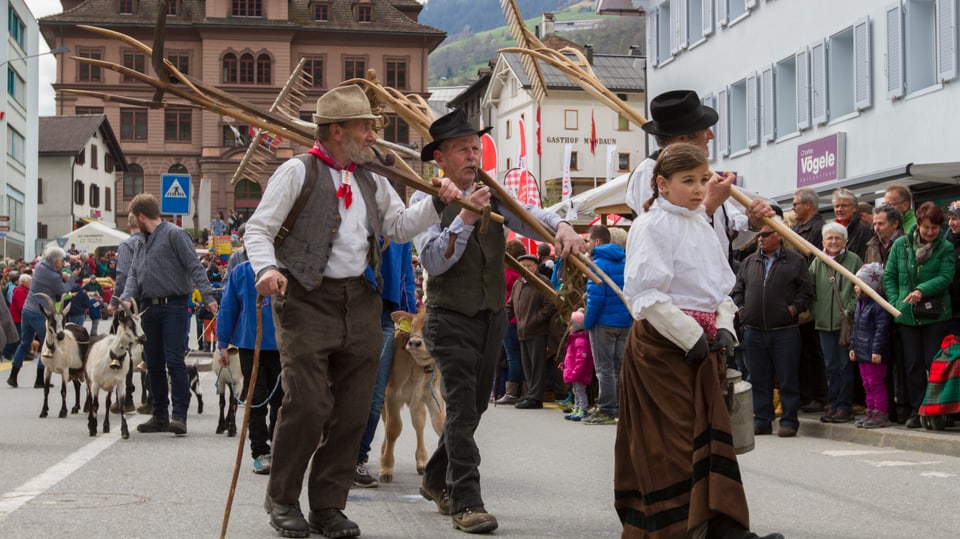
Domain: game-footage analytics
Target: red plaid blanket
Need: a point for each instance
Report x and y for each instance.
(943, 386)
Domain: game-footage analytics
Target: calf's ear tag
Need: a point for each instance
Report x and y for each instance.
(404, 325)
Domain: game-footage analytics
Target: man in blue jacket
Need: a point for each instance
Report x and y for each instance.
(608, 322)
(237, 325)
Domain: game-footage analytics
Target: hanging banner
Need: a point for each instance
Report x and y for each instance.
(611, 161)
(488, 155)
(566, 189)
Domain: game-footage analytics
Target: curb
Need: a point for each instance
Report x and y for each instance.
(945, 442)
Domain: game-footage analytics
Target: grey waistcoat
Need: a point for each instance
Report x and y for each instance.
(306, 250)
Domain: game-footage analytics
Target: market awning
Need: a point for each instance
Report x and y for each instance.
(926, 180)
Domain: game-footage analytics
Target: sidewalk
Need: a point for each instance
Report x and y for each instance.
(946, 442)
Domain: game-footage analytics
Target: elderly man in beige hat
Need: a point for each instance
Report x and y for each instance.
(313, 243)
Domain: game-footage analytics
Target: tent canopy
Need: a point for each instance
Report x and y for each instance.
(91, 236)
(586, 204)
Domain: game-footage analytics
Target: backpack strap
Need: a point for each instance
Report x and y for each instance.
(309, 182)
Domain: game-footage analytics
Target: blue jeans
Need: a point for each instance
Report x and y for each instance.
(77, 319)
(774, 353)
(839, 369)
(380, 389)
(607, 343)
(164, 326)
(33, 324)
(511, 344)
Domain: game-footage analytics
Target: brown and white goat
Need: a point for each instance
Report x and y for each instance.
(414, 381)
(63, 352)
(108, 361)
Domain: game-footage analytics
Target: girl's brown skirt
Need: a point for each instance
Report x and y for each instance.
(675, 466)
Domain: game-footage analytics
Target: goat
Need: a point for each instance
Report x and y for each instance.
(231, 376)
(64, 353)
(108, 361)
(193, 374)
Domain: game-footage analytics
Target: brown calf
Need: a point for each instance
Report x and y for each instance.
(414, 381)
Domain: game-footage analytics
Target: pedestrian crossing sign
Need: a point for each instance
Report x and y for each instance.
(175, 189)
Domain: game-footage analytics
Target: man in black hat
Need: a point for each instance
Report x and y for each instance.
(679, 116)
(465, 322)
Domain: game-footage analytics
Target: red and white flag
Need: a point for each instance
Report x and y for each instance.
(593, 135)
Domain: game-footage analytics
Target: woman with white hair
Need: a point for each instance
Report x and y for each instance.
(46, 280)
(833, 290)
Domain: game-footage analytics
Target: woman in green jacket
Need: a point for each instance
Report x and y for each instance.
(827, 318)
(919, 271)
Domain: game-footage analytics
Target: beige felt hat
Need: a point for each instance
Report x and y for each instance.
(342, 104)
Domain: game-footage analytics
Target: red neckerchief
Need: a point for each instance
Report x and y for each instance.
(344, 191)
(844, 222)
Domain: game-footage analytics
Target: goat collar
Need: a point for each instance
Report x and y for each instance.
(116, 356)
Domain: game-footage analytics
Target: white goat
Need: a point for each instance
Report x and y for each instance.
(231, 376)
(63, 352)
(108, 361)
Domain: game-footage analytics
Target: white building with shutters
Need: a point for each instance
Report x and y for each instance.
(818, 93)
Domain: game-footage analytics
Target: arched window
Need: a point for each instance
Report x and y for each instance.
(246, 196)
(230, 68)
(263, 69)
(177, 168)
(133, 181)
(246, 69)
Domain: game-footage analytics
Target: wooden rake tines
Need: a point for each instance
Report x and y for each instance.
(526, 40)
(288, 102)
(412, 108)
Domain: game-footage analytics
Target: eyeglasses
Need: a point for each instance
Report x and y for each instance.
(798, 202)
(766, 234)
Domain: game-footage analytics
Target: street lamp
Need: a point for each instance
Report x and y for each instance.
(58, 50)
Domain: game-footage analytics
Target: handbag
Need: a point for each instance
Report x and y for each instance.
(846, 322)
(928, 308)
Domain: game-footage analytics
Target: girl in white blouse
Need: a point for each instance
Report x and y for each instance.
(676, 471)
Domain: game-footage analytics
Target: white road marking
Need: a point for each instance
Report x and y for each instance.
(938, 474)
(859, 452)
(17, 498)
(895, 463)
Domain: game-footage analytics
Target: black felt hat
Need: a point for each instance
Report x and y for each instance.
(679, 112)
(452, 125)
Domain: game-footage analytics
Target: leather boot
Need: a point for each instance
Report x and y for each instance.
(511, 395)
(12, 379)
(39, 383)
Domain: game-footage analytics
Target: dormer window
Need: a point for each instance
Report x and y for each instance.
(364, 12)
(321, 12)
(125, 7)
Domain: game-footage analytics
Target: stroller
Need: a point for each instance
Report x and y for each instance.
(942, 399)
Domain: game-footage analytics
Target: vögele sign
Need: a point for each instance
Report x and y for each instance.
(822, 160)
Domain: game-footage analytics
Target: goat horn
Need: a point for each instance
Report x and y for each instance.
(47, 299)
(133, 303)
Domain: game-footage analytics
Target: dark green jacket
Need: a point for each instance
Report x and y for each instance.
(826, 312)
(932, 278)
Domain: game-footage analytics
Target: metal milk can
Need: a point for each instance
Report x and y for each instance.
(739, 397)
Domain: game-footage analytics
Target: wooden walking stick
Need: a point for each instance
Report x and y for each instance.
(246, 416)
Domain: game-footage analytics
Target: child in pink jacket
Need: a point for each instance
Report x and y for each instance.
(578, 366)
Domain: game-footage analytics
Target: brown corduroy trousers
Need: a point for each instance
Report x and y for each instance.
(329, 340)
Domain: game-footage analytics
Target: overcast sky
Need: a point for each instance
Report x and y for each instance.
(48, 65)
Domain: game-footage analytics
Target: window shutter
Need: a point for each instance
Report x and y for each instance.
(722, 12)
(862, 65)
(653, 49)
(818, 82)
(803, 89)
(710, 101)
(678, 37)
(707, 11)
(768, 104)
(753, 112)
(947, 39)
(723, 137)
(683, 24)
(895, 80)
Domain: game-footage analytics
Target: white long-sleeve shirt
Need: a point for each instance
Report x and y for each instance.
(348, 257)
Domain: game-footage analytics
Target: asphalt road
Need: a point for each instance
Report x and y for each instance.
(542, 477)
